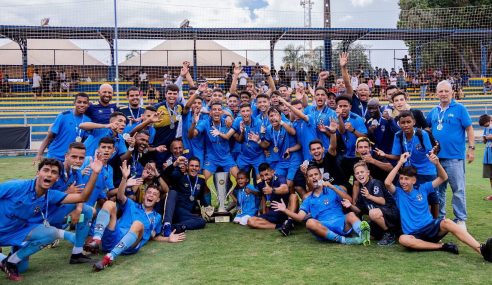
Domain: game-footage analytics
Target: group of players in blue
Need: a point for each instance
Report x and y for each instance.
(122, 176)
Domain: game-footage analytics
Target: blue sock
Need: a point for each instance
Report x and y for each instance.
(82, 229)
(39, 237)
(335, 237)
(127, 241)
(69, 236)
(102, 222)
(208, 198)
(356, 227)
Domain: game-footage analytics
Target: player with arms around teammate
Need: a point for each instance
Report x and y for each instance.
(420, 230)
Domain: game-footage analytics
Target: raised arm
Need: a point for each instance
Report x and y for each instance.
(96, 166)
(388, 183)
(290, 130)
(235, 77)
(344, 56)
(339, 192)
(192, 131)
(271, 84)
(46, 142)
(442, 176)
(88, 126)
(293, 109)
(281, 207)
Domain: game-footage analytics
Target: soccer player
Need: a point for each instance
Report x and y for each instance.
(381, 128)
(417, 143)
(65, 130)
(273, 188)
(484, 121)
(138, 224)
(322, 211)
(133, 112)
(371, 198)
(101, 111)
(187, 194)
(245, 197)
(218, 153)
(420, 230)
(114, 130)
(195, 145)
(378, 166)
(22, 201)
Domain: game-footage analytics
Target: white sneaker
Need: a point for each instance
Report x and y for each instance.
(462, 224)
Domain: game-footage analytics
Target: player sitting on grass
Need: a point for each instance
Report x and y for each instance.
(420, 230)
(246, 199)
(21, 201)
(138, 224)
(371, 198)
(323, 213)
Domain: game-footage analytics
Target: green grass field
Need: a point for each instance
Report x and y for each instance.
(231, 254)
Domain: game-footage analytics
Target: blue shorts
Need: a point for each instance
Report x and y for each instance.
(430, 232)
(244, 164)
(337, 226)
(18, 236)
(110, 240)
(285, 170)
(212, 165)
(274, 217)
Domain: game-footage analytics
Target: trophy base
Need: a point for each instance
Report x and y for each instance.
(222, 217)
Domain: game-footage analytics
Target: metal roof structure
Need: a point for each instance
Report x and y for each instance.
(267, 34)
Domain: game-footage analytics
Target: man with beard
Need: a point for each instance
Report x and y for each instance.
(133, 111)
(65, 130)
(101, 111)
(381, 128)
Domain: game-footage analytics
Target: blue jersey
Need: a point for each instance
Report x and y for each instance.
(448, 127)
(92, 142)
(104, 182)
(246, 203)
(350, 138)
(321, 117)
(325, 207)
(19, 204)
(279, 142)
(196, 145)
(131, 212)
(216, 147)
(149, 129)
(131, 113)
(67, 178)
(66, 130)
(487, 152)
(250, 151)
(384, 133)
(275, 183)
(414, 208)
(358, 107)
(418, 153)
(306, 132)
(100, 114)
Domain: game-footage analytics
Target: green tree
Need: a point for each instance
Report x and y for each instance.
(358, 58)
(293, 56)
(446, 51)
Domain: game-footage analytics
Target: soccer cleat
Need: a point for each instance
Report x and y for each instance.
(10, 270)
(488, 198)
(103, 263)
(388, 239)
(365, 233)
(486, 250)
(79, 258)
(166, 230)
(450, 247)
(286, 227)
(93, 246)
(53, 244)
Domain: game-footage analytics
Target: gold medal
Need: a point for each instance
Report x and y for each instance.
(275, 149)
(78, 139)
(268, 203)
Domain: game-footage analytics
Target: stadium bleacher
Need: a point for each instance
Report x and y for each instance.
(21, 109)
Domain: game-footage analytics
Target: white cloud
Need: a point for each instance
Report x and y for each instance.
(361, 3)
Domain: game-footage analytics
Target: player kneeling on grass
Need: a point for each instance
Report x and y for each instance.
(245, 195)
(323, 213)
(420, 230)
(138, 224)
(371, 198)
(22, 201)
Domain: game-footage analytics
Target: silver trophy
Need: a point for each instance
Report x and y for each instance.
(222, 183)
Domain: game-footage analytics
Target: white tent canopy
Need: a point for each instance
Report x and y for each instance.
(174, 52)
(47, 52)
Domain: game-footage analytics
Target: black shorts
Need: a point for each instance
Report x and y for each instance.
(274, 217)
(430, 232)
(391, 217)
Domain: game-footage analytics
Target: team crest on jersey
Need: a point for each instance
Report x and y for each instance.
(120, 245)
(326, 202)
(198, 187)
(37, 210)
(186, 185)
(100, 111)
(419, 197)
(383, 128)
(451, 116)
(112, 110)
(376, 190)
(419, 147)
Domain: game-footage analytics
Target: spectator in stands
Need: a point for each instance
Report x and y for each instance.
(74, 78)
(30, 72)
(36, 84)
(282, 77)
(487, 86)
(52, 77)
(258, 76)
(449, 122)
(423, 82)
(301, 77)
(243, 79)
(370, 84)
(291, 76)
(144, 81)
(377, 86)
(273, 73)
(65, 130)
(312, 76)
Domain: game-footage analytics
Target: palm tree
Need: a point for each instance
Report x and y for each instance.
(293, 56)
